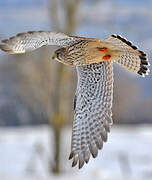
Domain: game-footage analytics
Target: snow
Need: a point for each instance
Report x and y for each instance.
(27, 153)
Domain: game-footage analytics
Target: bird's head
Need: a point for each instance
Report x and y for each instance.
(62, 56)
(59, 54)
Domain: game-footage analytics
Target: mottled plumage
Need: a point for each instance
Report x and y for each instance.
(93, 115)
(93, 59)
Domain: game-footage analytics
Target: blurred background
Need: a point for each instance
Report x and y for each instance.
(36, 94)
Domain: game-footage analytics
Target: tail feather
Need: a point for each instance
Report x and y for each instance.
(132, 59)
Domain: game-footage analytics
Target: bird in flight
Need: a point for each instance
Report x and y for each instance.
(93, 59)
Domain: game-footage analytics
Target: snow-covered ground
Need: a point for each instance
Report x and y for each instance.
(26, 153)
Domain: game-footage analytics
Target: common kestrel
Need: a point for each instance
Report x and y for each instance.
(93, 59)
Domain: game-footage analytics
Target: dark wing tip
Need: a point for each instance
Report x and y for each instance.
(79, 159)
(143, 57)
(5, 40)
(71, 156)
(144, 62)
(81, 164)
(142, 53)
(74, 163)
(129, 43)
(5, 48)
(19, 34)
(113, 35)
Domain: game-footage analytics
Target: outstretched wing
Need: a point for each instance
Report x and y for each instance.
(132, 59)
(93, 115)
(32, 40)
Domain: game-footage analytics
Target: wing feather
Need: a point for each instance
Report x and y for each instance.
(93, 115)
(132, 59)
(32, 40)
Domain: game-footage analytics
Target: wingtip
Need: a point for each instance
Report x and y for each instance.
(71, 156)
(143, 75)
(74, 163)
(149, 64)
(4, 40)
(5, 48)
(144, 70)
(81, 164)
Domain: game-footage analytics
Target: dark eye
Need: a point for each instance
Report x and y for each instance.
(57, 54)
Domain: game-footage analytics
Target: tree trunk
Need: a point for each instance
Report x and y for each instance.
(57, 135)
(58, 120)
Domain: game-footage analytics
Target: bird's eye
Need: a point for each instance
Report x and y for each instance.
(56, 55)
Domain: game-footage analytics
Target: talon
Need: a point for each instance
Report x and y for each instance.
(104, 49)
(107, 57)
